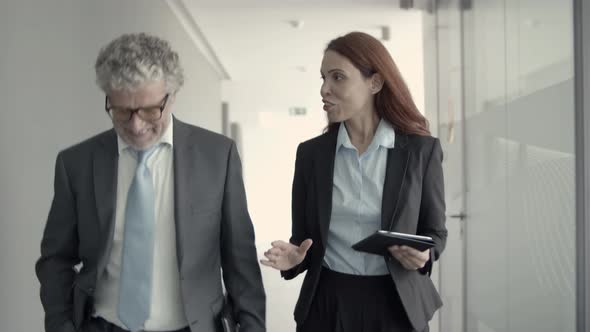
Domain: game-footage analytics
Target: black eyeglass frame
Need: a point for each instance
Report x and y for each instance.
(108, 108)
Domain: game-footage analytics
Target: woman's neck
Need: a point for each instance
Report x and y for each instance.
(361, 130)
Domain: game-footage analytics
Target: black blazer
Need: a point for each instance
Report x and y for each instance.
(413, 202)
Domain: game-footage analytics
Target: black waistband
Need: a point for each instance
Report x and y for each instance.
(110, 327)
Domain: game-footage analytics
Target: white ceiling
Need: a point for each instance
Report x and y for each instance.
(256, 37)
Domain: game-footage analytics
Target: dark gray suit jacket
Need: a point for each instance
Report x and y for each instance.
(213, 231)
(413, 202)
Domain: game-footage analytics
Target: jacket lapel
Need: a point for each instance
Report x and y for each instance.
(324, 171)
(105, 161)
(397, 165)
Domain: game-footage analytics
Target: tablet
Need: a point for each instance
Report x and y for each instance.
(378, 242)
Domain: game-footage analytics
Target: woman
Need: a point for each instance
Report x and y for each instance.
(376, 167)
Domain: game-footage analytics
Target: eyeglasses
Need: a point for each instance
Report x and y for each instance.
(146, 113)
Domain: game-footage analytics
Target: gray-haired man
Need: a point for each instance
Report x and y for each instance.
(154, 209)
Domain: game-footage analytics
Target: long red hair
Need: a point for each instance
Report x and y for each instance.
(394, 102)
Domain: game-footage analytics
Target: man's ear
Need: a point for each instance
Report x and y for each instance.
(376, 83)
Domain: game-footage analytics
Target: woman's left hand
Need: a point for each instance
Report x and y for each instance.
(409, 257)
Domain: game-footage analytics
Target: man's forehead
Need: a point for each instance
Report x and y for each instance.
(146, 91)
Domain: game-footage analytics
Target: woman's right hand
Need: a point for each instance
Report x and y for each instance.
(285, 256)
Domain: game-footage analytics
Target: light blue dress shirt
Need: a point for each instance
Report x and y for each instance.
(356, 202)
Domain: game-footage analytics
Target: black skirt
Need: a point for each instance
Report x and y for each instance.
(352, 303)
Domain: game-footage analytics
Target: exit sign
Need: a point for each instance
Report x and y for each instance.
(297, 111)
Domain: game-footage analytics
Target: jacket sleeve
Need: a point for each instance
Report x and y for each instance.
(298, 213)
(55, 267)
(431, 221)
(241, 271)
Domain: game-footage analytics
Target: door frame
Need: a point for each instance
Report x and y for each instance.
(432, 28)
(582, 114)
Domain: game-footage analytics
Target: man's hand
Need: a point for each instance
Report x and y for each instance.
(284, 256)
(409, 257)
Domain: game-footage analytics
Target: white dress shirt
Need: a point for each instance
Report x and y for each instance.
(357, 195)
(167, 309)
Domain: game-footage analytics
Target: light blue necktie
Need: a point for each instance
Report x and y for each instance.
(135, 291)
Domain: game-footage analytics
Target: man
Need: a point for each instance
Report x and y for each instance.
(145, 216)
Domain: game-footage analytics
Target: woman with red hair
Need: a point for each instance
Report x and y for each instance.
(375, 168)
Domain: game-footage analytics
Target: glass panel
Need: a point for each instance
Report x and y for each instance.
(486, 226)
(540, 165)
(520, 165)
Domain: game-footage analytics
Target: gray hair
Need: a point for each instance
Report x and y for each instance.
(133, 59)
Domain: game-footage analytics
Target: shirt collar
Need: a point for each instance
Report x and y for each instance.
(166, 139)
(343, 138)
(384, 136)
